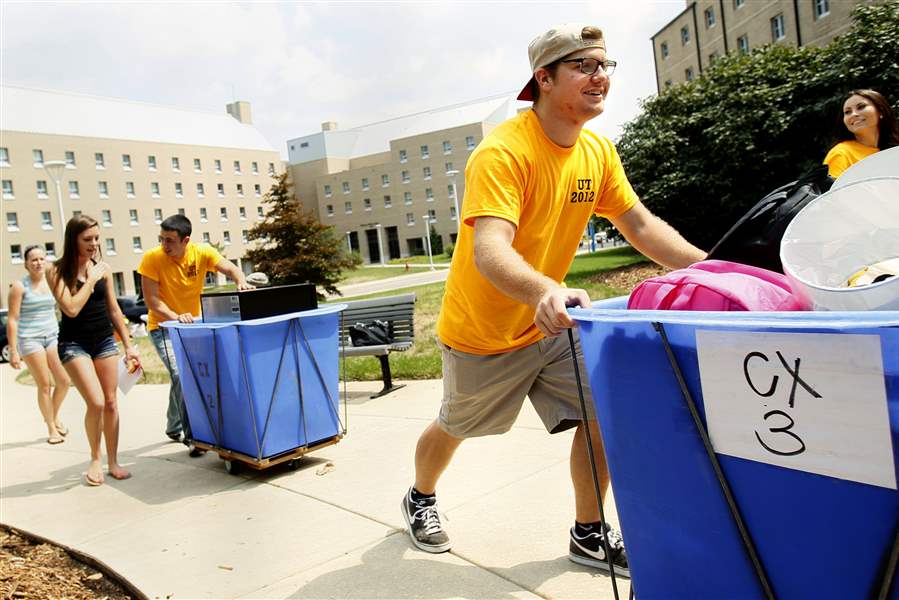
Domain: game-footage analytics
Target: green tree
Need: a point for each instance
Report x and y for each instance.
(703, 152)
(295, 247)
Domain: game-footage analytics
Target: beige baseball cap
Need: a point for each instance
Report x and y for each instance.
(559, 42)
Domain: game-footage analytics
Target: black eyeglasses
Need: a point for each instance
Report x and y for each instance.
(589, 66)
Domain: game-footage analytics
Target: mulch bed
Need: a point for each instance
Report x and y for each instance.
(30, 569)
(627, 278)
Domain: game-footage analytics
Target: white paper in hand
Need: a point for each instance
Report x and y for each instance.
(126, 378)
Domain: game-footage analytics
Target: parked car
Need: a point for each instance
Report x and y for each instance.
(4, 342)
(133, 307)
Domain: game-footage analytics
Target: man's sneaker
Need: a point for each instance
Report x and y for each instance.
(194, 452)
(590, 550)
(424, 524)
(174, 436)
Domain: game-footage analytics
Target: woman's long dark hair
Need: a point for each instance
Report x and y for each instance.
(888, 136)
(67, 264)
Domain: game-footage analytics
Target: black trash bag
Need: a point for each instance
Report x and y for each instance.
(376, 333)
(755, 238)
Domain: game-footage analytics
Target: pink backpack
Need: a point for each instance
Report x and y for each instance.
(715, 285)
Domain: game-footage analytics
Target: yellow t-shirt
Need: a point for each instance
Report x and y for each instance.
(548, 192)
(844, 155)
(180, 281)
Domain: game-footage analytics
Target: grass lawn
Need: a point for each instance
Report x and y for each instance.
(423, 361)
(364, 274)
(421, 260)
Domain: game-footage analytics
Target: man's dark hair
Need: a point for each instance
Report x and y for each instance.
(553, 69)
(179, 224)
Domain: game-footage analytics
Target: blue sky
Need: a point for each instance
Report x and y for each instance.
(303, 63)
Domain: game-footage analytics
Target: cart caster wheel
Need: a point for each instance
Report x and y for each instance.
(294, 464)
(232, 466)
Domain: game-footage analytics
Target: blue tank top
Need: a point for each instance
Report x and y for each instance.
(92, 323)
(37, 316)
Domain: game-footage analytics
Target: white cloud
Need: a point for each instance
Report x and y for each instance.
(303, 63)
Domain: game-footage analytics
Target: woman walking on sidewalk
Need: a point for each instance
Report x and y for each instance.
(83, 287)
(32, 330)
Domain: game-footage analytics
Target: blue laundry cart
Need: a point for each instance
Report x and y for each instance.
(264, 391)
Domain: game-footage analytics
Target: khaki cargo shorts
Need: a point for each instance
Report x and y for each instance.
(482, 395)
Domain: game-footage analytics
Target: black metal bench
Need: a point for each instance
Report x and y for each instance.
(397, 311)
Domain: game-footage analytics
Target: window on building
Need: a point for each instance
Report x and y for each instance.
(739, 3)
(50, 249)
(447, 147)
(260, 213)
(405, 177)
(38, 157)
(329, 208)
(688, 73)
(426, 172)
(778, 28)
(201, 190)
(407, 198)
(709, 17)
(271, 169)
(106, 218)
(254, 167)
(198, 166)
(410, 218)
(327, 190)
(429, 194)
(99, 160)
(226, 235)
(257, 190)
(447, 167)
(663, 48)
(129, 189)
(179, 190)
(450, 191)
(7, 190)
(4, 157)
(220, 189)
(12, 221)
(366, 203)
(403, 156)
(432, 215)
(245, 236)
(76, 213)
(348, 207)
(242, 212)
(237, 167)
(469, 142)
(346, 187)
(204, 216)
(385, 180)
(667, 83)
(387, 201)
(240, 190)
(15, 252)
(157, 215)
(218, 166)
(132, 216)
(424, 152)
(176, 163)
(41, 188)
(70, 159)
(181, 212)
(136, 244)
(743, 44)
(206, 240)
(110, 246)
(103, 189)
(822, 8)
(151, 162)
(73, 190)
(126, 162)
(364, 183)
(223, 213)
(684, 35)
(154, 189)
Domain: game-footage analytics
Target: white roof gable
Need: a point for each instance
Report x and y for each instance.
(376, 137)
(63, 113)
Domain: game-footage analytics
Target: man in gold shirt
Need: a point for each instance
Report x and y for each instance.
(531, 187)
(172, 276)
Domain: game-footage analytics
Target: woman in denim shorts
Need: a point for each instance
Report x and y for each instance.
(32, 330)
(83, 287)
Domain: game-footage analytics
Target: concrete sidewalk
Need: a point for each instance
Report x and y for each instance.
(184, 528)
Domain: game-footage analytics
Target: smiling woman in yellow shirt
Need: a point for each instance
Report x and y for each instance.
(866, 125)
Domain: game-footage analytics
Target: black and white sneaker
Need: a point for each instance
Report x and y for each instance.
(589, 550)
(424, 524)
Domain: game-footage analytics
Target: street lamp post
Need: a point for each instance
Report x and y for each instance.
(55, 169)
(349, 242)
(427, 219)
(380, 247)
(452, 173)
